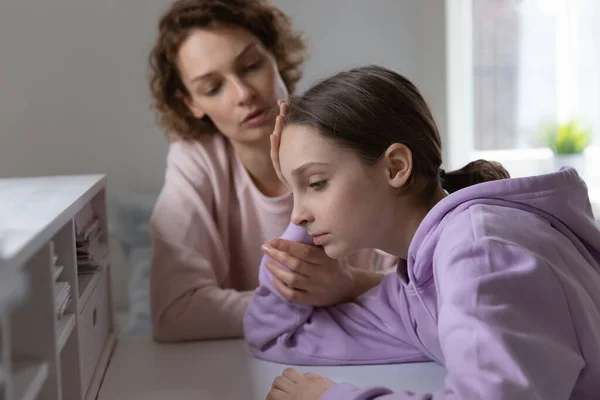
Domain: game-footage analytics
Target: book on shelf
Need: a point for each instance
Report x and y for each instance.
(92, 249)
(62, 296)
(84, 218)
(89, 232)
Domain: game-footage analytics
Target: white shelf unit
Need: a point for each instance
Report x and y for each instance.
(43, 356)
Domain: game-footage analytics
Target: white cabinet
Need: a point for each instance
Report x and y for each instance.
(56, 330)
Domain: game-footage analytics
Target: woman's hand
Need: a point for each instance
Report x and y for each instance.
(292, 385)
(276, 137)
(311, 277)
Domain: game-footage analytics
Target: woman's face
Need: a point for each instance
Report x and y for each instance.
(234, 80)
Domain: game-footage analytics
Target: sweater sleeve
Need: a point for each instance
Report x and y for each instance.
(366, 331)
(504, 328)
(189, 259)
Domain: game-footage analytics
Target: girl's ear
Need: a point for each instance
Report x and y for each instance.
(397, 162)
(194, 109)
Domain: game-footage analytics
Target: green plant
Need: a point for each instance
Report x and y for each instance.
(567, 138)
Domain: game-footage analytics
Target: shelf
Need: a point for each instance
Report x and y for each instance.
(64, 327)
(28, 380)
(86, 284)
(41, 354)
(55, 199)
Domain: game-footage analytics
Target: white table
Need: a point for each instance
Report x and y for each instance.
(142, 369)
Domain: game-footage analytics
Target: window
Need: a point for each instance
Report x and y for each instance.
(534, 61)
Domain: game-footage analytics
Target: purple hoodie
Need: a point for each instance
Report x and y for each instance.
(503, 289)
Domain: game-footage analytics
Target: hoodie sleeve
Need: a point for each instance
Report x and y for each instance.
(504, 326)
(366, 331)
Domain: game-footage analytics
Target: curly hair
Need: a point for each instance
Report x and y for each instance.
(269, 24)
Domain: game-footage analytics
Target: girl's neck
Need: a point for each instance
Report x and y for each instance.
(257, 161)
(411, 224)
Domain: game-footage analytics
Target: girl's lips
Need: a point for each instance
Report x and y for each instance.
(319, 239)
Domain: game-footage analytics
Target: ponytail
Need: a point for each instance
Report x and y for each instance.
(474, 172)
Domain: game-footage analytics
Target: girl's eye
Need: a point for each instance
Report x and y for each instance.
(319, 185)
(213, 91)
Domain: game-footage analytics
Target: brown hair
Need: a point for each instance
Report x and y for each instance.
(368, 109)
(271, 26)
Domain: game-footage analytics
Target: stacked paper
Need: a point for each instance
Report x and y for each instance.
(62, 290)
(92, 251)
(62, 296)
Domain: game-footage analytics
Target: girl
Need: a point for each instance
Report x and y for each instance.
(217, 70)
(499, 280)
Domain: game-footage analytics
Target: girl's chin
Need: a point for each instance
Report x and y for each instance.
(335, 252)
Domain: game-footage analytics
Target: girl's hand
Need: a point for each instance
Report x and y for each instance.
(311, 277)
(276, 137)
(292, 385)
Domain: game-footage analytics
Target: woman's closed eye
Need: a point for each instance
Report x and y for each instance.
(252, 66)
(318, 185)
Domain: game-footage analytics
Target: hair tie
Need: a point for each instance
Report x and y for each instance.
(442, 173)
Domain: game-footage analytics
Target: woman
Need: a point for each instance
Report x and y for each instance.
(501, 277)
(217, 70)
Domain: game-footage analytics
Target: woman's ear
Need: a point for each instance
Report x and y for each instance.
(397, 161)
(194, 109)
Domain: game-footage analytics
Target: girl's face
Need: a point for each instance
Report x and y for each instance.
(234, 80)
(345, 204)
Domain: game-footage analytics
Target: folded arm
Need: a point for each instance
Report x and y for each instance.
(372, 329)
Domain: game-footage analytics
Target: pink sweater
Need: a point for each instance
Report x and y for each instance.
(207, 228)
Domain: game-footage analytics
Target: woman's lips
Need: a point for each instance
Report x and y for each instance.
(256, 118)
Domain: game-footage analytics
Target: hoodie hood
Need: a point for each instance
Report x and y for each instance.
(560, 197)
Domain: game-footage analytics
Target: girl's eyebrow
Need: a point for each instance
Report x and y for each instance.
(304, 167)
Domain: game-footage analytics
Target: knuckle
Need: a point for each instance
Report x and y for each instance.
(288, 294)
(295, 264)
(305, 252)
(294, 280)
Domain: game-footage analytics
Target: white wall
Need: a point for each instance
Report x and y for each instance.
(73, 96)
(73, 93)
(347, 33)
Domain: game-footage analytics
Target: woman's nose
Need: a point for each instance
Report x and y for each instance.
(243, 92)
